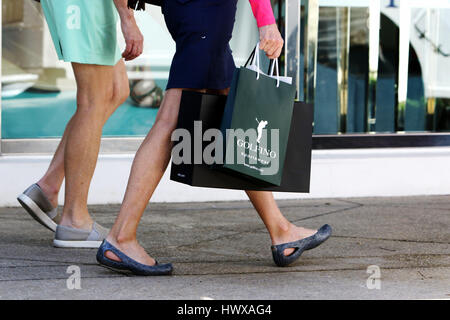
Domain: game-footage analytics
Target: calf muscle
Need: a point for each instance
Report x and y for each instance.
(99, 94)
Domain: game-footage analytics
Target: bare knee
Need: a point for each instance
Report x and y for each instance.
(165, 124)
(102, 103)
(167, 117)
(92, 106)
(121, 92)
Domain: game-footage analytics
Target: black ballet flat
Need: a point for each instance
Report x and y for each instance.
(308, 243)
(128, 265)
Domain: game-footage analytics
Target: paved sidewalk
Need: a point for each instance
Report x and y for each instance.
(221, 251)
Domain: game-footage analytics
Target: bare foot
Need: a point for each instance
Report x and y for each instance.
(133, 250)
(293, 234)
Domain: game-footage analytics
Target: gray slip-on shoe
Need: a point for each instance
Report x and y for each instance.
(68, 237)
(36, 203)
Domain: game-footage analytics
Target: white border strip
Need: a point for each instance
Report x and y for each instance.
(335, 173)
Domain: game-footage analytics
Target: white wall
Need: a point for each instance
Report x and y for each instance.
(335, 173)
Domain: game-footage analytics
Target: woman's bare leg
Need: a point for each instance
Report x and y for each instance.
(147, 170)
(148, 167)
(280, 229)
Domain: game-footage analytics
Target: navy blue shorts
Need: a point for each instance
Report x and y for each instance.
(202, 31)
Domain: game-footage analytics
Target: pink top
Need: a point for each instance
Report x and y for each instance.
(262, 10)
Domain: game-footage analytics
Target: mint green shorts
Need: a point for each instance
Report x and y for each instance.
(83, 31)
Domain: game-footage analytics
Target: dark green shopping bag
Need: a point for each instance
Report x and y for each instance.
(256, 125)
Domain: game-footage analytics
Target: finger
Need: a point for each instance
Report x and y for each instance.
(262, 44)
(138, 50)
(130, 54)
(270, 47)
(276, 49)
(276, 54)
(135, 51)
(141, 48)
(128, 48)
(266, 45)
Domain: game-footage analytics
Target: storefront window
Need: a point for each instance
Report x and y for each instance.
(368, 66)
(39, 92)
(386, 81)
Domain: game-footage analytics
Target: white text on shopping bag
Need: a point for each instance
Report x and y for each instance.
(243, 147)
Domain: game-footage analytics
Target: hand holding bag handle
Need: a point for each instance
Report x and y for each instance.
(255, 63)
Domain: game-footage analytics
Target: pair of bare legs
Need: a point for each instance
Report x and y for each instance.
(147, 170)
(100, 90)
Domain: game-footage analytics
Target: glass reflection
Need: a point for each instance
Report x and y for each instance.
(399, 84)
(39, 97)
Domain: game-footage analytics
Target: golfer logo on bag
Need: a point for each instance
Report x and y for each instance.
(261, 125)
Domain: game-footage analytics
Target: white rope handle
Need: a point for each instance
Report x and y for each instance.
(256, 61)
(256, 64)
(275, 64)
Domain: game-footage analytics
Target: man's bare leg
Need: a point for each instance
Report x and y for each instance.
(53, 178)
(101, 90)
